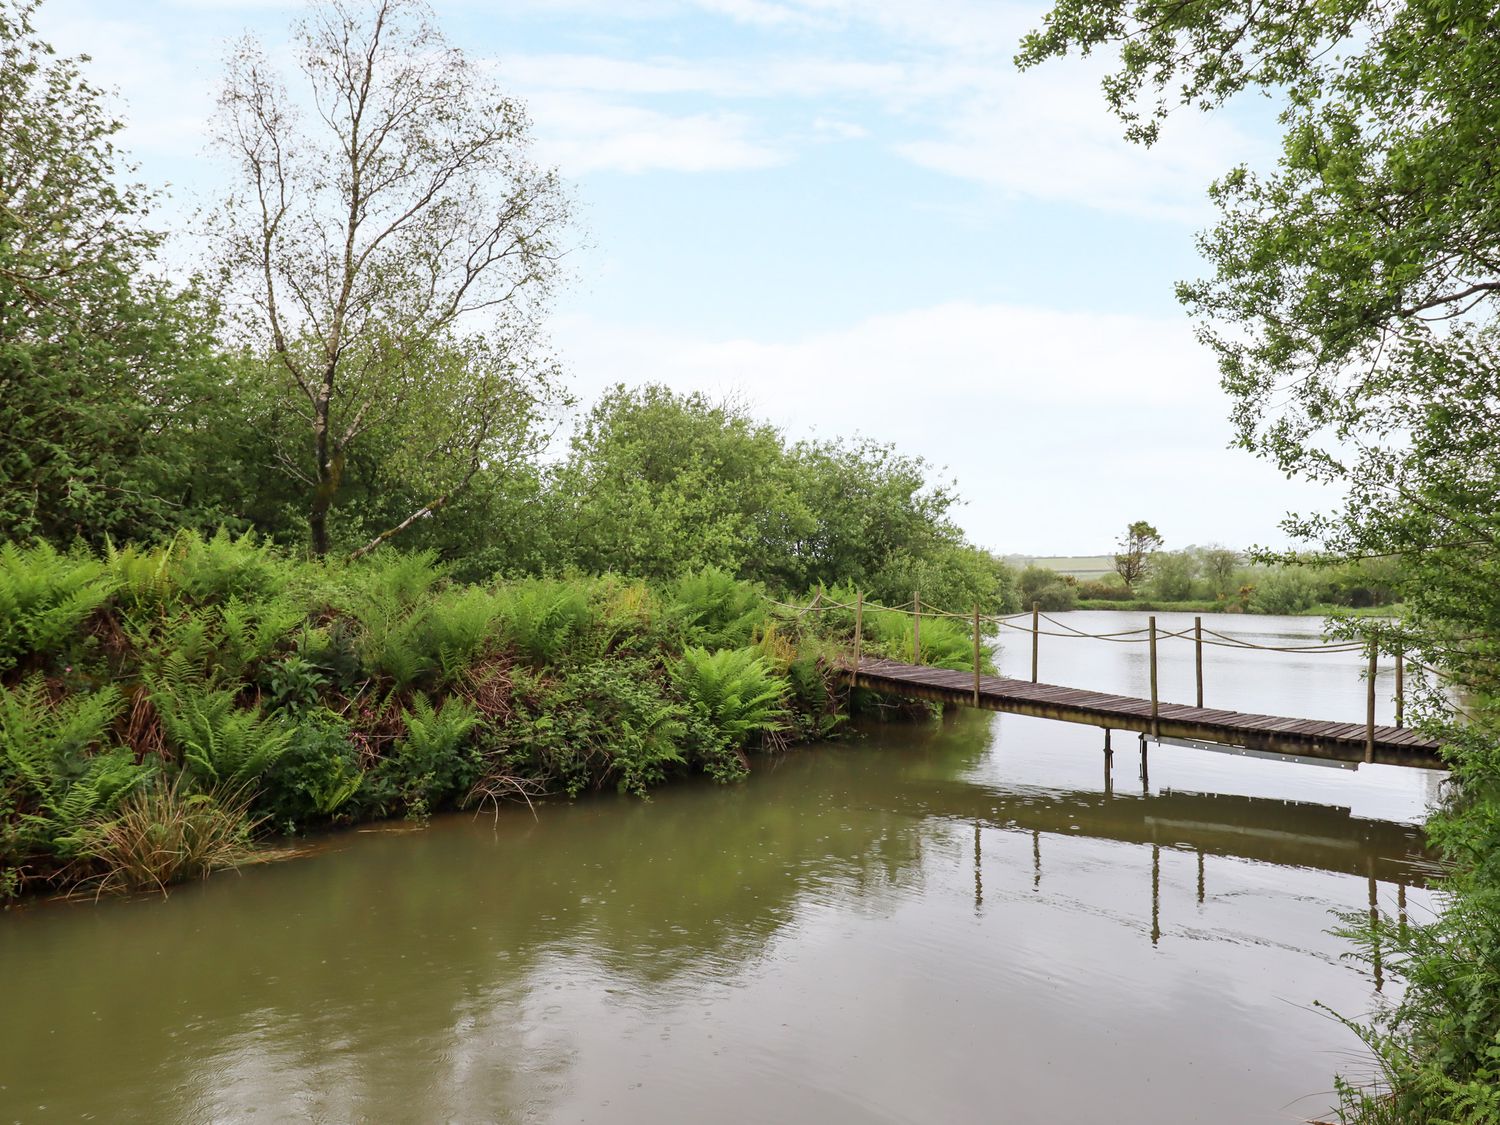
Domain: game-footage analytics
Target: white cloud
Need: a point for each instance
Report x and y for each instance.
(1042, 415)
(583, 134)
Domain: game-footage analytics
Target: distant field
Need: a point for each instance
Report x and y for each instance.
(1080, 566)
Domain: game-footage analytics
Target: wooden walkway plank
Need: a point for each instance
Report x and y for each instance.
(1278, 733)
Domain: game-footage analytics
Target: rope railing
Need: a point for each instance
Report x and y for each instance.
(1150, 635)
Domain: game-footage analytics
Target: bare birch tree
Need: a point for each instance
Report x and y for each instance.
(390, 244)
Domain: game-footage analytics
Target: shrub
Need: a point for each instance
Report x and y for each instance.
(1046, 588)
(318, 774)
(1283, 590)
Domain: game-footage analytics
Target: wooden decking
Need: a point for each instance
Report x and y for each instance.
(1309, 738)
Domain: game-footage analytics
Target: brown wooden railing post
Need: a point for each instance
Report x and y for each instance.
(1198, 654)
(1370, 704)
(1154, 731)
(859, 626)
(916, 627)
(1036, 612)
(976, 654)
(1400, 689)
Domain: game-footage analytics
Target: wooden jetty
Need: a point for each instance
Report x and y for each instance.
(1271, 734)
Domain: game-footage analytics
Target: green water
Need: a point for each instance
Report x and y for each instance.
(960, 922)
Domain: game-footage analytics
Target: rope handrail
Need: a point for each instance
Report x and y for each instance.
(1063, 630)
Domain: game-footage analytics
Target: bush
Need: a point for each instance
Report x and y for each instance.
(1283, 590)
(318, 774)
(1049, 590)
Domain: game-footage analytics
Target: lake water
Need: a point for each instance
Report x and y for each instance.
(965, 921)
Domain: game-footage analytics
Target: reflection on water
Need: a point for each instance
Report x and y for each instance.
(965, 921)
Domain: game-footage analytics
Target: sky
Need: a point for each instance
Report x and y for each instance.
(856, 216)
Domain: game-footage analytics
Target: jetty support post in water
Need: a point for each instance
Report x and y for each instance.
(1036, 612)
(1198, 655)
(1155, 726)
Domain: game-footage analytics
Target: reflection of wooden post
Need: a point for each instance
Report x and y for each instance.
(1154, 732)
(1198, 653)
(916, 627)
(1400, 689)
(976, 654)
(1036, 612)
(859, 625)
(1370, 705)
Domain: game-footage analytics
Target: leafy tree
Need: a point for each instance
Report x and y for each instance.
(657, 484)
(1046, 589)
(1352, 307)
(108, 379)
(1218, 565)
(1172, 575)
(1133, 560)
(390, 253)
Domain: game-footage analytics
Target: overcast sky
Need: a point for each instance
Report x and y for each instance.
(856, 215)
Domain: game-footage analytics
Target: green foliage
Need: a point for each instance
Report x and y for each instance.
(1283, 590)
(734, 689)
(1173, 576)
(435, 762)
(109, 382)
(713, 609)
(317, 775)
(56, 776)
(44, 599)
(544, 618)
(220, 742)
(1047, 589)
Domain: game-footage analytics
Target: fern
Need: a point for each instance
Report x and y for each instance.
(543, 618)
(220, 742)
(44, 598)
(434, 762)
(714, 609)
(735, 689)
(54, 776)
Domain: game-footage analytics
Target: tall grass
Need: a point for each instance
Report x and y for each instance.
(169, 833)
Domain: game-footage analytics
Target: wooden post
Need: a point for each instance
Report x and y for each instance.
(1036, 612)
(916, 627)
(1370, 705)
(1154, 732)
(1400, 689)
(976, 654)
(1198, 654)
(859, 626)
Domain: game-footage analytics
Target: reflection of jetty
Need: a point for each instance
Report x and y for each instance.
(1263, 829)
(1272, 734)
